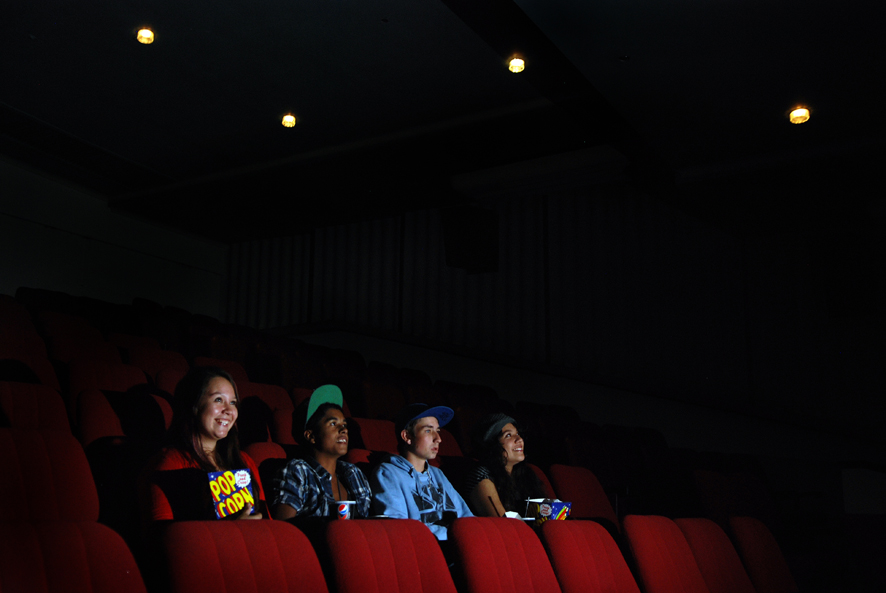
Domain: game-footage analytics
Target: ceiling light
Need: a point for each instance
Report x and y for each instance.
(145, 36)
(799, 115)
(516, 65)
(289, 120)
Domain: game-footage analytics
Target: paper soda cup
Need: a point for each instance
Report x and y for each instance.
(343, 508)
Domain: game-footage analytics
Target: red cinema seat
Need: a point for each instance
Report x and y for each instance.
(234, 368)
(33, 406)
(271, 412)
(128, 342)
(664, 561)
(716, 557)
(580, 486)
(269, 458)
(21, 336)
(375, 435)
(143, 416)
(762, 556)
(586, 559)
(75, 557)
(266, 556)
(41, 366)
(549, 489)
(167, 379)
(386, 556)
(448, 445)
(102, 375)
(498, 555)
(383, 398)
(154, 360)
(46, 477)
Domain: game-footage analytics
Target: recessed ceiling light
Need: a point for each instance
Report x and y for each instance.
(799, 115)
(145, 36)
(516, 65)
(289, 120)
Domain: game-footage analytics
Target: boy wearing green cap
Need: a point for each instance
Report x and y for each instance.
(310, 487)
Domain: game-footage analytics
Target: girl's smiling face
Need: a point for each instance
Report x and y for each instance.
(216, 412)
(512, 446)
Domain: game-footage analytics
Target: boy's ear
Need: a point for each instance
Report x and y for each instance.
(309, 436)
(404, 434)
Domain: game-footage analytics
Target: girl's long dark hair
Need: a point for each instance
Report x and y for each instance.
(184, 432)
(515, 487)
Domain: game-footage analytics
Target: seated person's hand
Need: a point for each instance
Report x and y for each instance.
(244, 513)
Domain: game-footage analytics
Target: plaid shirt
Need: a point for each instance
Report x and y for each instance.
(306, 486)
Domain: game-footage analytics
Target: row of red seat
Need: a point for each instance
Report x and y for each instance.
(491, 555)
(107, 401)
(50, 540)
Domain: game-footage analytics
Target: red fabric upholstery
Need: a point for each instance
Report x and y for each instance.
(75, 557)
(448, 445)
(153, 360)
(233, 367)
(146, 416)
(665, 563)
(243, 556)
(166, 379)
(500, 555)
(91, 374)
(262, 451)
(269, 458)
(66, 349)
(130, 342)
(39, 364)
(279, 404)
(386, 556)
(33, 406)
(586, 559)
(716, 558)
(98, 374)
(375, 435)
(20, 335)
(57, 324)
(761, 556)
(46, 477)
(580, 486)
(549, 490)
(70, 336)
(383, 399)
(96, 418)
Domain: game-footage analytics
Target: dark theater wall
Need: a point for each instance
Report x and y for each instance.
(603, 284)
(61, 238)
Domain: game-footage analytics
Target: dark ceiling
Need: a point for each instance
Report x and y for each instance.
(395, 99)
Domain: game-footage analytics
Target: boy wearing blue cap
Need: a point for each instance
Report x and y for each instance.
(407, 486)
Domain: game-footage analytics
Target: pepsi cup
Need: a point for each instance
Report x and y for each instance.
(343, 508)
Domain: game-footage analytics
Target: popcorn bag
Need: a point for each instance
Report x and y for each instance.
(231, 491)
(539, 510)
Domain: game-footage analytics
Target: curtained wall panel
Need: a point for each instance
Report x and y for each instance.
(643, 296)
(501, 312)
(269, 282)
(604, 281)
(356, 270)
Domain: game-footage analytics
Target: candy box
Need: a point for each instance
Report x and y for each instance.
(540, 510)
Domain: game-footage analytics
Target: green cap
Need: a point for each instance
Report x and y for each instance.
(325, 394)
